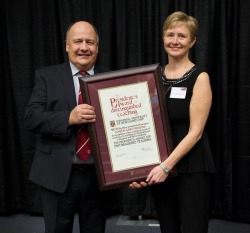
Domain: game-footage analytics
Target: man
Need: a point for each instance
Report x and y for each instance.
(68, 183)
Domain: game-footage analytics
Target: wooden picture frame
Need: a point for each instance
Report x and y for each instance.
(131, 134)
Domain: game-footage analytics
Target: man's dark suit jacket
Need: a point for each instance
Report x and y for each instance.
(47, 114)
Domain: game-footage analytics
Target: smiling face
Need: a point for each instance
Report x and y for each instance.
(177, 40)
(82, 45)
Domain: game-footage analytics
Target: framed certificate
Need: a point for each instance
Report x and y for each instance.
(131, 134)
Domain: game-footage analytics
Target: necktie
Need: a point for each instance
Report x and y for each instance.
(83, 145)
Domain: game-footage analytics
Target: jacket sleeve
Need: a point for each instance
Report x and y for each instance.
(47, 112)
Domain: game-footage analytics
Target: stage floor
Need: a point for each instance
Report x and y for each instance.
(23, 223)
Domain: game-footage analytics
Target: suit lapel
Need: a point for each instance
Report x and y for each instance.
(68, 83)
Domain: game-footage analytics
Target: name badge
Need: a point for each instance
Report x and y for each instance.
(178, 93)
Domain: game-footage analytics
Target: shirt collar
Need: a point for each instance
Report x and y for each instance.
(75, 71)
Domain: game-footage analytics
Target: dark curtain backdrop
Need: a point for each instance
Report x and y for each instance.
(33, 33)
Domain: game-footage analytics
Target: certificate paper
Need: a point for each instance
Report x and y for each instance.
(129, 126)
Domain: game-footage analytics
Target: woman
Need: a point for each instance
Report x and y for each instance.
(182, 202)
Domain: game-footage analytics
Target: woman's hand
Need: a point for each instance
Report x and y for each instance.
(156, 176)
(136, 185)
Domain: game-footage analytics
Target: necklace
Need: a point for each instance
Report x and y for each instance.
(171, 82)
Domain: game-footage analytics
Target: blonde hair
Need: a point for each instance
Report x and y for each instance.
(181, 17)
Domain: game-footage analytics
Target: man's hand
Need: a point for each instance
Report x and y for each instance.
(82, 113)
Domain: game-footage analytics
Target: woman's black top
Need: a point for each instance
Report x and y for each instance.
(178, 96)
